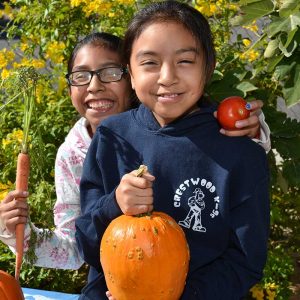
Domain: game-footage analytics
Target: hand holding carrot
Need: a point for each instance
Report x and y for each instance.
(14, 210)
(135, 194)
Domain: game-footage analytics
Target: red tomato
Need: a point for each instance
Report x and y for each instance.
(230, 110)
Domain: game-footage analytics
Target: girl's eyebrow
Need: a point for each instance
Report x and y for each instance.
(190, 49)
(105, 65)
(179, 51)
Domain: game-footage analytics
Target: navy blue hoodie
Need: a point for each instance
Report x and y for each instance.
(215, 187)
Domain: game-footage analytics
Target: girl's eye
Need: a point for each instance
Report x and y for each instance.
(186, 61)
(148, 62)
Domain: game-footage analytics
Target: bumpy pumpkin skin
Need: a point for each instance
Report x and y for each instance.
(9, 287)
(145, 258)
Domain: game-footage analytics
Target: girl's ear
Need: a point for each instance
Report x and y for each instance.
(131, 77)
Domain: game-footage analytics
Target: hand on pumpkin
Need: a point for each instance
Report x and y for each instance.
(249, 126)
(134, 194)
(14, 210)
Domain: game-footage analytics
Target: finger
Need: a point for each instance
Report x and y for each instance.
(148, 176)
(233, 133)
(143, 194)
(14, 195)
(108, 294)
(252, 121)
(139, 182)
(254, 105)
(215, 114)
(15, 213)
(11, 223)
(138, 209)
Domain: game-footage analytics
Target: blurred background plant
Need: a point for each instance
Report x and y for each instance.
(257, 44)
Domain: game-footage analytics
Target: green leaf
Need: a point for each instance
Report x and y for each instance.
(292, 94)
(253, 11)
(285, 44)
(245, 87)
(282, 71)
(283, 24)
(291, 171)
(271, 48)
(274, 61)
(288, 7)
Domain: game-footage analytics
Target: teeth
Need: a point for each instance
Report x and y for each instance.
(100, 104)
(169, 95)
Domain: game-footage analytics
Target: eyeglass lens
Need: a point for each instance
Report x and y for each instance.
(104, 75)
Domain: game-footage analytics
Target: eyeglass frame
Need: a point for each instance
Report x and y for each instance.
(96, 72)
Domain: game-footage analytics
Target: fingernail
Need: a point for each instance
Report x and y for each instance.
(222, 131)
(239, 124)
(248, 106)
(25, 194)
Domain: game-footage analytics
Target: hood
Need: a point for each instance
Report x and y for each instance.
(202, 117)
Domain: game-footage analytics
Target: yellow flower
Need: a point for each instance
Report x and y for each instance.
(55, 50)
(207, 9)
(38, 63)
(7, 11)
(97, 6)
(75, 3)
(16, 135)
(246, 42)
(24, 46)
(257, 292)
(126, 2)
(250, 55)
(62, 84)
(271, 290)
(39, 92)
(6, 57)
(253, 27)
(3, 195)
(5, 74)
(4, 189)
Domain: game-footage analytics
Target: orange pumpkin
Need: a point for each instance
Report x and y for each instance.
(145, 257)
(9, 287)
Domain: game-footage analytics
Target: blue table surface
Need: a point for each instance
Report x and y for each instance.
(34, 294)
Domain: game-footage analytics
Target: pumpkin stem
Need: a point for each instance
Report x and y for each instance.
(141, 170)
(139, 173)
(143, 215)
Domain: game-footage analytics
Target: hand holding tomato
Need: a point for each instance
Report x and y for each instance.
(242, 122)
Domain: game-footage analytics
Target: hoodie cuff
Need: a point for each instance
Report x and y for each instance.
(110, 209)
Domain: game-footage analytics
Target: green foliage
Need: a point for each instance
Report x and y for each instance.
(42, 35)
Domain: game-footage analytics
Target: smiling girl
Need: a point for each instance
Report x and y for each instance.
(214, 186)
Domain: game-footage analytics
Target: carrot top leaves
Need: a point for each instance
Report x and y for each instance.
(22, 83)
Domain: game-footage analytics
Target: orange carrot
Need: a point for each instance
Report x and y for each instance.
(23, 167)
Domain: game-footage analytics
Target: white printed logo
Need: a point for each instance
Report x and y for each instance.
(196, 203)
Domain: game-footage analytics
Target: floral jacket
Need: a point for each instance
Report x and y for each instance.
(60, 250)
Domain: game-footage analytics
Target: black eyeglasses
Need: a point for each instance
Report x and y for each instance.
(109, 74)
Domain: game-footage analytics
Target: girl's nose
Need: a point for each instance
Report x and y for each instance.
(167, 75)
(95, 84)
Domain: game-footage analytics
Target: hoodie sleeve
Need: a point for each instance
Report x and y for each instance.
(264, 135)
(98, 205)
(234, 272)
